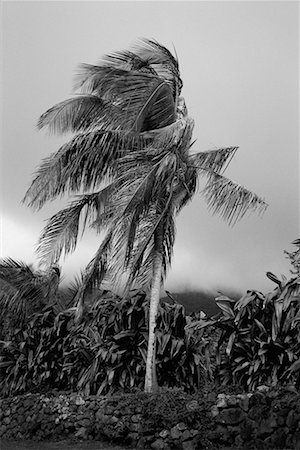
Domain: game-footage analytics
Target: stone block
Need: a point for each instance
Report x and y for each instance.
(214, 411)
(81, 433)
(244, 403)
(263, 388)
(133, 438)
(136, 418)
(21, 411)
(221, 402)
(238, 442)
(188, 445)
(164, 434)
(186, 435)
(2, 430)
(136, 427)
(175, 433)
(181, 426)
(230, 416)
(232, 401)
(281, 421)
(79, 401)
(211, 397)
(109, 410)
(158, 444)
(292, 419)
(84, 422)
(141, 443)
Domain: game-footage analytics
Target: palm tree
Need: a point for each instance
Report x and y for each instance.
(24, 291)
(130, 162)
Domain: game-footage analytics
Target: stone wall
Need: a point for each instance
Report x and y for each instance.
(262, 420)
(266, 419)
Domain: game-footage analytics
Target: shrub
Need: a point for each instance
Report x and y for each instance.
(104, 353)
(260, 336)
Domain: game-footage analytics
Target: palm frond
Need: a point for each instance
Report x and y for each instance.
(165, 136)
(145, 99)
(96, 270)
(126, 60)
(168, 232)
(14, 304)
(155, 220)
(80, 114)
(61, 231)
(161, 60)
(138, 197)
(22, 289)
(83, 163)
(15, 272)
(230, 199)
(212, 160)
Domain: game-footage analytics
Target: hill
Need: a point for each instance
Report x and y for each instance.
(198, 301)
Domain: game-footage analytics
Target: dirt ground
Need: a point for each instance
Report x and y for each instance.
(60, 445)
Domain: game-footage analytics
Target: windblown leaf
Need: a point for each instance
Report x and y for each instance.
(229, 199)
(213, 160)
(163, 62)
(145, 99)
(95, 270)
(83, 163)
(81, 113)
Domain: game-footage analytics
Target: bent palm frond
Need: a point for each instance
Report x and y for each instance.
(161, 60)
(146, 100)
(230, 199)
(80, 114)
(126, 60)
(96, 270)
(83, 163)
(61, 232)
(16, 272)
(213, 160)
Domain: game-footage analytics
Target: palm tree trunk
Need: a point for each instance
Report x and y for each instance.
(150, 378)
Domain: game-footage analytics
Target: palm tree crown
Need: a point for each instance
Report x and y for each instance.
(130, 160)
(131, 164)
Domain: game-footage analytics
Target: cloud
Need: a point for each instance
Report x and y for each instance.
(18, 241)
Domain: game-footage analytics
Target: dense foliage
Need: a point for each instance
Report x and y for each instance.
(252, 341)
(24, 292)
(103, 353)
(260, 336)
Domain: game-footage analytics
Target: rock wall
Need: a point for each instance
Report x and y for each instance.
(267, 419)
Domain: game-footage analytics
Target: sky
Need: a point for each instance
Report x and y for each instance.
(239, 62)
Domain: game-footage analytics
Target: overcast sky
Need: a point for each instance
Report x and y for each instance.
(239, 65)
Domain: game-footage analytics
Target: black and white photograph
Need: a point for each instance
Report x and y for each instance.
(149, 228)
